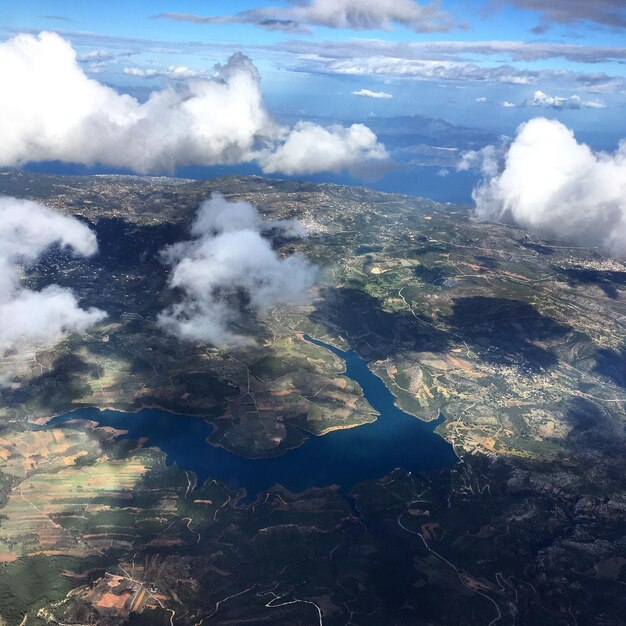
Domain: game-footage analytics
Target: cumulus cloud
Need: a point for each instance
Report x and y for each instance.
(367, 93)
(58, 113)
(559, 187)
(310, 148)
(27, 317)
(50, 110)
(488, 160)
(541, 99)
(353, 14)
(560, 103)
(230, 266)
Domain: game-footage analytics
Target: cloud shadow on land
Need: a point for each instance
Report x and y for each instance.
(432, 275)
(507, 332)
(605, 280)
(124, 276)
(537, 247)
(612, 365)
(593, 429)
(428, 248)
(486, 261)
(373, 332)
(55, 389)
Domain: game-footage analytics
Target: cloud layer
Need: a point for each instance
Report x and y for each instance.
(610, 13)
(458, 61)
(512, 50)
(58, 113)
(370, 14)
(558, 187)
(228, 267)
(543, 100)
(352, 14)
(27, 317)
(173, 72)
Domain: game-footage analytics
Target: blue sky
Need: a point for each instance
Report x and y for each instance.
(482, 68)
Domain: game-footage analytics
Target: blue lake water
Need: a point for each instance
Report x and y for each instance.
(342, 457)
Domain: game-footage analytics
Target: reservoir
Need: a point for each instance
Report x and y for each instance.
(341, 457)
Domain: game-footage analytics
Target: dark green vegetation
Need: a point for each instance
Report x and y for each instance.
(519, 342)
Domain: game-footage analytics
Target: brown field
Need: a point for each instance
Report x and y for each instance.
(113, 601)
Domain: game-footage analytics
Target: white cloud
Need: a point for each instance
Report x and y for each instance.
(481, 99)
(50, 110)
(367, 93)
(27, 317)
(488, 160)
(96, 55)
(541, 99)
(594, 104)
(174, 72)
(560, 103)
(230, 266)
(309, 148)
(558, 187)
(141, 72)
(421, 69)
(96, 61)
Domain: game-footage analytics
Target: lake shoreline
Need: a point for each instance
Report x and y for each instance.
(342, 457)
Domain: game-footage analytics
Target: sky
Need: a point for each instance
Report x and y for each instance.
(487, 63)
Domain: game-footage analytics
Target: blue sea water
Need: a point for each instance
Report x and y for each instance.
(425, 181)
